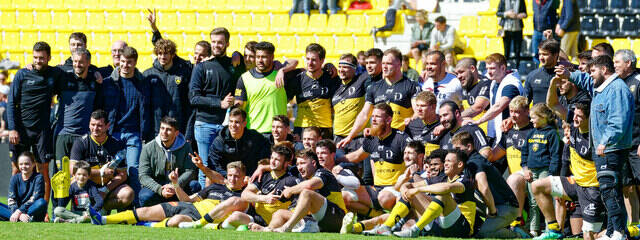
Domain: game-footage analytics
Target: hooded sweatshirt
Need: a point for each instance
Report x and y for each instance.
(156, 162)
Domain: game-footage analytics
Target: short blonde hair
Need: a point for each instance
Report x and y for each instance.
(519, 102)
(541, 110)
(237, 165)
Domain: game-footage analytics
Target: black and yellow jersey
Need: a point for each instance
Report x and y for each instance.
(466, 200)
(387, 156)
(479, 138)
(212, 195)
(418, 130)
(270, 183)
(478, 90)
(368, 79)
(398, 95)
(512, 142)
(331, 189)
(313, 97)
(347, 103)
(582, 166)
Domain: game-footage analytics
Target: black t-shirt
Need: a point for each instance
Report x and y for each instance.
(269, 183)
(479, 139)
(87, 149)
(218, 192)
(387, 156)
(418, 130)
(502, 194)
(398, 95)
(478, 90)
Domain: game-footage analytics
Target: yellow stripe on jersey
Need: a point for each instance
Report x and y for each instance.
(336, 198)
(483, 126)
(387, 173)
(399, 114)
(583, 170)
(346, 112)
(205, 206)
(266, 211)
(315, 112)
(514, 158)
(430, 147)
(468, 210)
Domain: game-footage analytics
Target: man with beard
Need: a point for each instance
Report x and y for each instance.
(169, 78)
(347, 101)
(258, 91)
(611, 117)
(475, 90)
(437, 80)
(80, 94)
(504, 87)
(385, 147)
(373, 66)
(166, 155)
(422, 128)
(452, 122)
(537, 82)
(624, 62)
(211, 92)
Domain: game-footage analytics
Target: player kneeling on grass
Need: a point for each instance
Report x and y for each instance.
(318, 195)
(190, 208)
(84, 194)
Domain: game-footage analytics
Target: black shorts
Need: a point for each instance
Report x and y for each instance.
(37, 141)
(180, 208)
(332, 220)
(64, 142)
(593, 209)
(373, 194)
(631, 170)
(256, 217)
(460, 229)
(571, 189)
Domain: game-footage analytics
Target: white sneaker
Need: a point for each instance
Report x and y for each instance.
(604, 237)
(382, 230)
(347, 223)
(307, 226)
(194, 224)
(618, 236)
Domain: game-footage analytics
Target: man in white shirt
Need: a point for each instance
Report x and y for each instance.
(443, 84)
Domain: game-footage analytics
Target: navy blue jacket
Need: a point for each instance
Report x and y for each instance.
(570, 16)
(545, 15)
(76, 101)
(542, 149)
(22, 194)
(29, 100)
(170, 91)
(128, 104)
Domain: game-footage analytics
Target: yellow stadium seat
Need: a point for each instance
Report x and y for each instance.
(468, 26)
(242, 23)
(42, 19)
(58, 57)
(108, 5)
(246, 38)
(488, 26)
(375, 21)
(364, 43)
(636, 46)
(255, 6)
(495, 45)
(280, 23)
(261, 23)
(356, 24)
(269, 38)
(202, 5)
(60, 18)
(7, 5)
(187, 21)
(11, 40)
(337, 24)
(231, 6)
(298, 23)
(234, 44)
(23, 5)
(54, 4)
(118, 36)
(596, 41)
(317, 24)
(8, 20)
(493, 7)
(303, 42)
(101, 58)
(55, 42)
(99, 41)
(145, 61)
(527, 30)
(205, 21)
(277, 6)
(328, 42)
(287, 46)
(344, 45)
(225, 20)
(27, 39)
(78, 20)
(477, 47)
(160, 4)
(73, 4)
(24, 19)
(138, 4)
(113, 20)
(140, 41)
(37, 4)
(133, 21)
(189, 43)
(169, 21)
(180, 5)
(621, 43)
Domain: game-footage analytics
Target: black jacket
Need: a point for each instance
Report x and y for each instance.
(170, 91)
(249, 149)
(212, 81)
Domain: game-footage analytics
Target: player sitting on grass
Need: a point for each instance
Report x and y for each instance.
(190, 208)
(84, 194)
(26, 193)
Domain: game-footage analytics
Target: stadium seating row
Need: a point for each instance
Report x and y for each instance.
(609, 6)
(610, 26)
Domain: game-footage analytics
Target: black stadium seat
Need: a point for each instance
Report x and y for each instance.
(589, 26)
(634, 7)
(630, 27)
(619, 6)
(526, 67)
(583, 5)
(598, 6)
(610, 26)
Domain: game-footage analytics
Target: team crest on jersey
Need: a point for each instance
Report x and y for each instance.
(178, 80)
(535, 147)
(632, 88)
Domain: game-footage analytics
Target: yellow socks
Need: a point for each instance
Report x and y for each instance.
(358, 227)
(553, 225)
(399, 210)
(434, 210)
(161, 224)
(127, 217)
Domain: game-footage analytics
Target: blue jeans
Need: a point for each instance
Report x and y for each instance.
(609, 170)
(535, 41)
(332, 6)
(204, 134)
(5, 213)
(306, 5)
(134, 147)
(37, 210)
(149, 198)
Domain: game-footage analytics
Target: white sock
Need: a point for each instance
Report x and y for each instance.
(226, 225)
